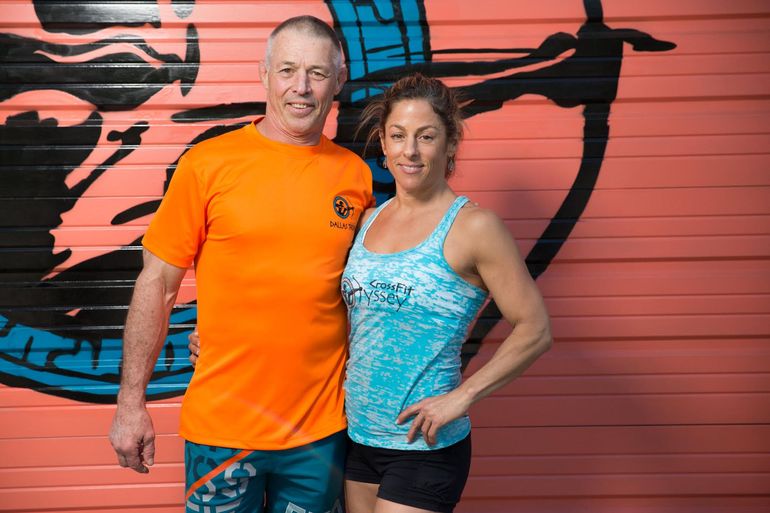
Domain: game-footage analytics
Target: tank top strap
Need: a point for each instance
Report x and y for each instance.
(368, 223)
(441, 231)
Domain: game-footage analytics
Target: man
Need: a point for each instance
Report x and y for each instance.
(267, 213)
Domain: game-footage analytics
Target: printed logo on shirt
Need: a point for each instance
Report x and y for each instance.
(342, 207)
(393, 294)
(351, 289)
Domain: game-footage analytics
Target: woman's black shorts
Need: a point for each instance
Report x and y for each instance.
(432, 480)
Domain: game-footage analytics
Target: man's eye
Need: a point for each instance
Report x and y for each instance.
(318, 75)
(427, 138)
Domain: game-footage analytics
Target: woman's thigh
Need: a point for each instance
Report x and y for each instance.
(360, 497)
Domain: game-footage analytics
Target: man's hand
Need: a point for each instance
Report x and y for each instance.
(432, 413)
(194, 346)
(133, 438)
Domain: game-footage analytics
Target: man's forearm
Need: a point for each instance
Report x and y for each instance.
(146, 328)
(132, 434)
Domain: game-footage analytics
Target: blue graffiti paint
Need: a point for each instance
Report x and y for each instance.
(88, 370)
(377, 36)
(383, 41)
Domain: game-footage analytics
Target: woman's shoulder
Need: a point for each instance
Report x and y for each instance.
(483, 233)
(365, 216)
(477, 220)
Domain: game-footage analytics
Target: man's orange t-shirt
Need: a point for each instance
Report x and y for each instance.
(268, 226)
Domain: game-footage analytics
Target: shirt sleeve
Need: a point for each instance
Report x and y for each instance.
(178, 228)
(366, 173)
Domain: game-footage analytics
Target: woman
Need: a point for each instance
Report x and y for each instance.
(420, 269)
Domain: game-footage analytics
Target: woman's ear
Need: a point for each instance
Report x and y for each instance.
(382, 143)
(451, 149)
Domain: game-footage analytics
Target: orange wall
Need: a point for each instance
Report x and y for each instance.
(629, 159)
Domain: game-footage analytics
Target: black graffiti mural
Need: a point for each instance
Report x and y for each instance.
(60, 332)
(588, 77)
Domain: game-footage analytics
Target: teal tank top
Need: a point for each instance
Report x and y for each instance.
(409, 314)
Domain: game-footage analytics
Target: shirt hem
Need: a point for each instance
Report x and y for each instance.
(404, 446)
(261, 445)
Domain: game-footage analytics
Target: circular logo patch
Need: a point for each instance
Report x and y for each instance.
(350, 291)
(342, 208)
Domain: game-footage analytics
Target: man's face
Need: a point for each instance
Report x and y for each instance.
(301, 79)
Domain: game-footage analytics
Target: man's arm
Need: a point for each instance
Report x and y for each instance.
(132, 434)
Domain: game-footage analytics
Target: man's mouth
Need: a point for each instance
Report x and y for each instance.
(300, 106)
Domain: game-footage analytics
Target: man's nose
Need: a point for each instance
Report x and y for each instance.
(302, 82)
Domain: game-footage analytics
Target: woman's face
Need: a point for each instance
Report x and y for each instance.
(415, 145)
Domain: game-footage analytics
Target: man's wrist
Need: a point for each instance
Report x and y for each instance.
(131, 400)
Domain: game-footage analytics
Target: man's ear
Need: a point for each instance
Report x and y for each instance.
(342, 77)
(263, 73)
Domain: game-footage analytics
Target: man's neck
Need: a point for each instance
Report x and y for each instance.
(272, 131)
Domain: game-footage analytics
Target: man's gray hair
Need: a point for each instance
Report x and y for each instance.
(313, 26)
